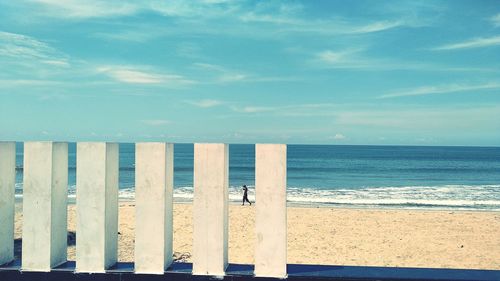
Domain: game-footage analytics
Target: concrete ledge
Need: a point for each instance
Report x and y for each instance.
(182, 271)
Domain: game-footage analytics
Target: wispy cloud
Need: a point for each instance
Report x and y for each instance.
(324, 27)
(290, 18)
(472, 43)
(495, 20)
(205, 103)
(282, 18)
(286, 110)
(78, 10)
(156, 122)
(481, 118)
(441, 89)
(137, 34)
(209, 66)
(377, 26)
(27, 48)
(232, 77)
(74, 9)
(219, 74)
(342, 58)
(138, 75)
(27, 82)
(356, 59)
(189, 50)
(368, 117)
(255, 109)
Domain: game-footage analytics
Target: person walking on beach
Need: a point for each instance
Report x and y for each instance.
(245, 196)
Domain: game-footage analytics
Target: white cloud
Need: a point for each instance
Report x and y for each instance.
(337, 57)
(205, 103)
(78, 10)
(495, 20)
(189, 50)
(23, 48)
(220, 75)
(288, 18)
(27, 82)
(472, 43)
(61, 63)
(139, 34)
(209, 66)
(282, 17)
(285, 14)
(255, 109)
(74, 9)
(339, 137)
(135, 75)
(480, 118)
(306, 109)
(354, 58)
(377, 26)
(232, 77)
(156, 122)
(442, 89)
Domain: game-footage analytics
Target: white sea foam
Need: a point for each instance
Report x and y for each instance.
(446, 196)
(479, 197)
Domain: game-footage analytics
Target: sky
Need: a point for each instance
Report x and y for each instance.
(307, 72)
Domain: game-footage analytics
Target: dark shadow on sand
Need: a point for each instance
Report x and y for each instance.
(18, 244)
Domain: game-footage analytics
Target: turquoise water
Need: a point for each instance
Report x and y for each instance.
(348, 176)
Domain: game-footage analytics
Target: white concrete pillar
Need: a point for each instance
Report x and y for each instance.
(154, 163)
(96, 206)
(7, 190)
(45, 195)
(210, 209)
(270, 213)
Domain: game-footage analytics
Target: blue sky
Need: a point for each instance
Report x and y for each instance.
(326, 72)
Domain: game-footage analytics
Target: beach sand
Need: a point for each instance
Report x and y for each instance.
(331, 236)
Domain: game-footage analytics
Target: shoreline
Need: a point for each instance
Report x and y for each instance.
(72, 201)
(338, 236)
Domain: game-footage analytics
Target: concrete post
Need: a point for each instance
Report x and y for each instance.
(7, 189)
(270, 214)
(210, 209)
(154, 173)
(96, 206)
(45, 195)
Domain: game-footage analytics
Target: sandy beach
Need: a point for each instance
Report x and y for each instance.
(404, 238)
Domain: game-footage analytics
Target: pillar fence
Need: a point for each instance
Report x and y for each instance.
(44, 236)
(96, 206)
(45, 193)
(154, 212)
(270, 215)
(7, 189)
(45, 207)
(210, 209)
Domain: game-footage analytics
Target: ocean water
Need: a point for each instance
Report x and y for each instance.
(341, 175)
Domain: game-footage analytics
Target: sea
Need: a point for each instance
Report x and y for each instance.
(352, 176)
